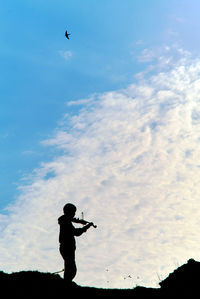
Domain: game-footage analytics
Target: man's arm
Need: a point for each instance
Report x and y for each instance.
(80, 231)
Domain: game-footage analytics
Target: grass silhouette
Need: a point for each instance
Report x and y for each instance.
(182, 283)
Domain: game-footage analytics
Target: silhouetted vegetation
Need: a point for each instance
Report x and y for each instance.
(183, 282)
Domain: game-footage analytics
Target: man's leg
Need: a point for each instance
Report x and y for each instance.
(70, 268)
(69, 264)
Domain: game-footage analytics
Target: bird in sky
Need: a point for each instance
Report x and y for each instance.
(67, 34)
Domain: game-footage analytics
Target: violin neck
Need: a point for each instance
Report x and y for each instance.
(77, 220)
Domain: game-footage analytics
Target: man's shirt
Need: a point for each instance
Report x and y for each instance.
(68, 232)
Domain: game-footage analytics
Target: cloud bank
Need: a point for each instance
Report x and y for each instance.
(131, 161)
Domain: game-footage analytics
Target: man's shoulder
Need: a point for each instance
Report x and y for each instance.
(63, 220)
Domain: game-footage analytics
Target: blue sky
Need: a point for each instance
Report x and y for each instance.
(36, 82)
(41, 71)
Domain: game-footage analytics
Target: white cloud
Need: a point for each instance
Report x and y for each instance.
(65, 54)
(160, 57)
(80, 102)
(131, 162)
(148, 55)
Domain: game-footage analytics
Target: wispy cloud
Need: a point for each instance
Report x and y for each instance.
(65, 54)
(80, 102)
(148, 55)
(131, 162)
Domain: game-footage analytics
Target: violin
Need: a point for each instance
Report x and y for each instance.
(82, 221)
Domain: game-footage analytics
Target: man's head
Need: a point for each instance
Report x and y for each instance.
(69, 210)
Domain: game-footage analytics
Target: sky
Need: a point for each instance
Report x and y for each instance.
(108, 120)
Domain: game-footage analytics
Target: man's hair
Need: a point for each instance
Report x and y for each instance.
(68, 208)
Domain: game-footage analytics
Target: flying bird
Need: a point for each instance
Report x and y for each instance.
(67, 34)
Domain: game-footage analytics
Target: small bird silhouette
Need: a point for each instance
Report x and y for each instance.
(129, 276)
(67, 34)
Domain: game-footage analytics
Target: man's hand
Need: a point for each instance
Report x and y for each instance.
(92, 224)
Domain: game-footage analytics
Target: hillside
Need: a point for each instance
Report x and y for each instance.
(184, 281)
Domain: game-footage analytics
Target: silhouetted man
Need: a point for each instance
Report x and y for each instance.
(67, 240)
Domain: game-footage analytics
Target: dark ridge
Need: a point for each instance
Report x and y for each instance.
(183, 282)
